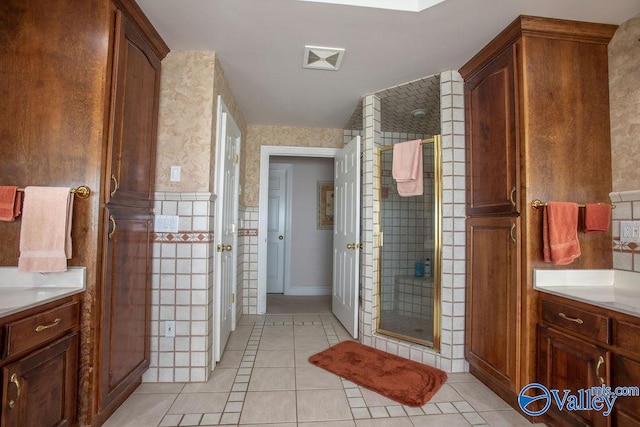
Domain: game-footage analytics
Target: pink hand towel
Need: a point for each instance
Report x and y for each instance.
(407, 168)
(560, 233)
(10, 203)
(597, 217)
(45, 233)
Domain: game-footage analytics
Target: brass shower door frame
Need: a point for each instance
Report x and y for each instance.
(436, 140)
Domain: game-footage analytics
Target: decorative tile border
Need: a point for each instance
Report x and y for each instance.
(184, 237)
(626, 256)
(619, 246)
(248, 232)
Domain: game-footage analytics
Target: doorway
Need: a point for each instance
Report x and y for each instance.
(299, 241)
(345, 283)
(279, 220)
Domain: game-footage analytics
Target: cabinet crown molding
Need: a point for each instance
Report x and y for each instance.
(535, 26)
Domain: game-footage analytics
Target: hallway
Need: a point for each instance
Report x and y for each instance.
(264, 378)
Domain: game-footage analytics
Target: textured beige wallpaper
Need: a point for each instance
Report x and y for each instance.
(221, 87)
(185, 120)
(190, 84)
(624, 95)
(259, 135)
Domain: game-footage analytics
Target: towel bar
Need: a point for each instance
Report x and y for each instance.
(81, 192)
(422, 142)
(537, 204)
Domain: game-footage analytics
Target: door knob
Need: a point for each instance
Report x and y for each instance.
(351, 245)
(222, 248)
(281, 237)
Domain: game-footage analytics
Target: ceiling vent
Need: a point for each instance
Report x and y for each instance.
(323, 58)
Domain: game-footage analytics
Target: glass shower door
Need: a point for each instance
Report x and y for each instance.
(410, 254)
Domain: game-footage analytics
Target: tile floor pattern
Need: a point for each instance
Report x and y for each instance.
(264, 379)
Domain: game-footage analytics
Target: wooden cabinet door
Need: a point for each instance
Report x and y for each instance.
(125, 302)
(568, 363)
(134, 117)
(492, 162)
(625, 373)
(492, 297)
(41, 388)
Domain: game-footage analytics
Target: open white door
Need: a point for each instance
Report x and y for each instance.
(346, 236)
(226, 265)
(277, 235)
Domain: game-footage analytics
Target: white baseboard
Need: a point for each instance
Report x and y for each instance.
(302, 290)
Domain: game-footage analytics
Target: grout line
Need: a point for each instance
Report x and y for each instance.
(353, 393)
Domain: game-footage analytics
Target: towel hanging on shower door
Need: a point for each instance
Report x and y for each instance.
(407, 168)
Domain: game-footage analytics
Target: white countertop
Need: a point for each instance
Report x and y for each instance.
(20, 291)
(616, 290)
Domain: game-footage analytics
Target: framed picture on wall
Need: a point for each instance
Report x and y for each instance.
(325, 205)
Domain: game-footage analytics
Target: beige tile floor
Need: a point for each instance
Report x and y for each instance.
(264, 379)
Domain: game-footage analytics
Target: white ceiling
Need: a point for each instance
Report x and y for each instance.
(260, 44)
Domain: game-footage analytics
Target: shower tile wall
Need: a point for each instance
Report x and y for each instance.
(407, 224)
(451, 355)
(182, 290)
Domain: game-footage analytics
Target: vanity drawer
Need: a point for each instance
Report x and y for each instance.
(588, 324)
(37, 329)
(627, 336)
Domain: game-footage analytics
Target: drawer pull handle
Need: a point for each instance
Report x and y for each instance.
(41, 328)
(15, 380)
(571, 319)
(598, 366)
(113, 230)
(115, 186)
(512, 196)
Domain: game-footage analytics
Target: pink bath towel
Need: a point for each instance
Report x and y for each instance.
(10, 203)
(407, 168)
(560, 232)
(45, 233)
(597, 217)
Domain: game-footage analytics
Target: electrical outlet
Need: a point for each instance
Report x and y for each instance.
(630, 231)
(166, 223)
(169, 328)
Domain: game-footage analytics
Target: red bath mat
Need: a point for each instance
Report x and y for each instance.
(403, 380)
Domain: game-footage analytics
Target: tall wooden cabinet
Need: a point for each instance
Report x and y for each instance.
(79, 82)
(537, 124)
(128, 216)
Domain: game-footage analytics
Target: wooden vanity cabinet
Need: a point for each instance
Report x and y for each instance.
(625, 373)
(582, 346)
(625, 368)
(39, 366)
(81, 87)
(537, 127)
(568, 363)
